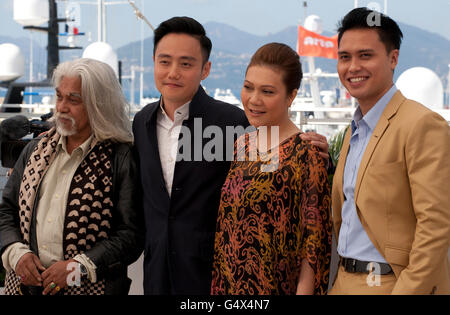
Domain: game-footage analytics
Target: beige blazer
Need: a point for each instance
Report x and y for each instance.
(402, 195)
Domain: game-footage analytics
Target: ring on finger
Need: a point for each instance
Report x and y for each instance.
(21, 277)
(57, 288)
(52, 285)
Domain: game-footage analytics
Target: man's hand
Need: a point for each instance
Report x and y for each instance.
(55, 277)
(320, 142)
(28, 268)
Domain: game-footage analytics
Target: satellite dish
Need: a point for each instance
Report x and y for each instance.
(422, 85)
(31, 12)
(314, 24)
(12, 62)
(102, 52)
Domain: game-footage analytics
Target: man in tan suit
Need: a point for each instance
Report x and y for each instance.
(391, 196)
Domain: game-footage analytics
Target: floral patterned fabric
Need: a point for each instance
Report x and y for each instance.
(272, 215)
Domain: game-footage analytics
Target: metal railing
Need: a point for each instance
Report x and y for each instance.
(332, 116)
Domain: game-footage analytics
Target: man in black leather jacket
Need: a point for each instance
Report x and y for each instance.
(71, 218)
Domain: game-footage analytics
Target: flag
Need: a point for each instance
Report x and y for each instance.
(315, 45)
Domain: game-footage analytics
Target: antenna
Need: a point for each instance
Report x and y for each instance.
(305, 7)
(139, 14)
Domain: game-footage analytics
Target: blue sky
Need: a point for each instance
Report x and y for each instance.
(258, 17)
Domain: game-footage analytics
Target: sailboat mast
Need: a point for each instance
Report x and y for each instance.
(53, 43)
(104, 21)
(141, 81)
(100, 7)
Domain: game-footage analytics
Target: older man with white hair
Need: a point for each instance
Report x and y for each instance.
(70, 221)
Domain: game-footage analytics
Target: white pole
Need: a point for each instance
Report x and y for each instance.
(141, 87)
(104, 20)
(314, 83)
(385, 7)
(31, 65)
(356, 4)
(133, 75)
(99, 20)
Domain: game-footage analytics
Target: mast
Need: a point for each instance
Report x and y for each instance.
(53, 45)
(141, 81)
(104, 21)
(99, 20)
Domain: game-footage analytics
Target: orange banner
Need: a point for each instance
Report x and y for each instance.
(314, 45)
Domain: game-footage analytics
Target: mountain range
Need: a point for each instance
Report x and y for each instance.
(233, 48)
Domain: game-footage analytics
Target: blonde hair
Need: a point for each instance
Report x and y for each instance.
(103, 97)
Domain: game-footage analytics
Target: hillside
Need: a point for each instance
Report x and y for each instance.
(232, 49)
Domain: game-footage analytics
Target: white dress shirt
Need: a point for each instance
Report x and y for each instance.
(167, 132)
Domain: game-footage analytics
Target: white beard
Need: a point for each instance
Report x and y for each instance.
(60, 127)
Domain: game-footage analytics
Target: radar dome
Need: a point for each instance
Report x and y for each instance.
(314, 24)
(31, 12)
(422, 85)
(102, 52)
(12, 62)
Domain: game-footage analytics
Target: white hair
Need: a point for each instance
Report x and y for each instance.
(103, 97)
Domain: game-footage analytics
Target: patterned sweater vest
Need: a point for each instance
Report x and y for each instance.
(88, 216)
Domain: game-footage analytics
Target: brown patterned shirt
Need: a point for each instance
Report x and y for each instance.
(269, 221)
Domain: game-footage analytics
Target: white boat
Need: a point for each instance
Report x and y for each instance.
(148, 100)
(225, 95)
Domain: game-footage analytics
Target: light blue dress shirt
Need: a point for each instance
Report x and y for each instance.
(353, 239)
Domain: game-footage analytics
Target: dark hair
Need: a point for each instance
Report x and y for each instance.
(282, 57)
(388, 30)
(184, 25)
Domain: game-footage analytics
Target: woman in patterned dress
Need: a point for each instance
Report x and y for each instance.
(273, 231)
